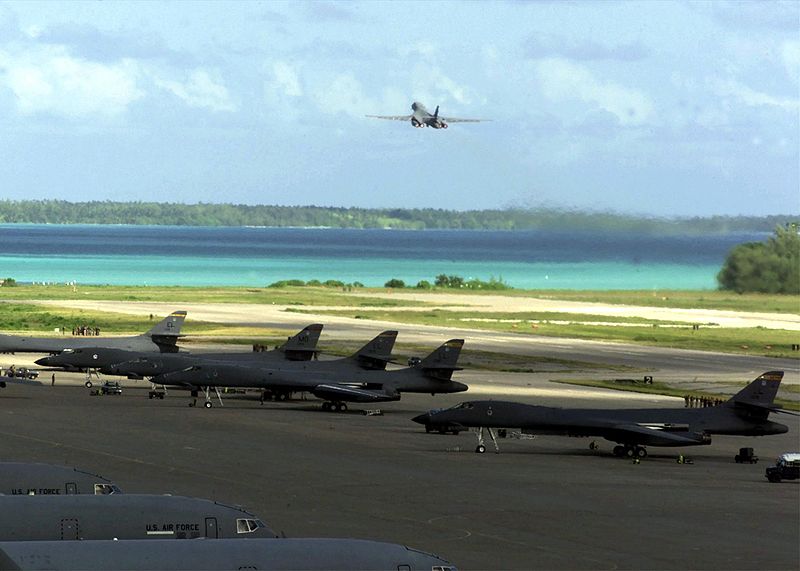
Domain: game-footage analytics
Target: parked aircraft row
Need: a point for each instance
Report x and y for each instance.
(292, 367)
(363, 378)
(52, 507)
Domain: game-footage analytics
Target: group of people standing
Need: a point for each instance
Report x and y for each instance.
(85, 330)
(702, 401)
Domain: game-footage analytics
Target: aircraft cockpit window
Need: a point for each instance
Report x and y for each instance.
(465, 405)
(248, 525)
(104, 489)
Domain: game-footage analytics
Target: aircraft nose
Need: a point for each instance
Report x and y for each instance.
(44, 361)
(459, 387)
(422, 418)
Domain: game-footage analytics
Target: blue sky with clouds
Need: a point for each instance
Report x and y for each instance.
(662, 108)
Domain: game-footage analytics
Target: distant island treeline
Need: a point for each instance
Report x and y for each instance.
(202, 214)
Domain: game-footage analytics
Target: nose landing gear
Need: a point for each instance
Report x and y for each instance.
(630, 451)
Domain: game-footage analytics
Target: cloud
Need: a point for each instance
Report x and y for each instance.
(286, 80)
(344, 94)
(752, 98)
(329, 12)
(563, 80)
(550, 45)
(93, 44)
(48, 79)
(199, 90)
(767, 14)
(790, 52)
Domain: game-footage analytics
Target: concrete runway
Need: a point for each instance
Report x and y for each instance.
(547, 503)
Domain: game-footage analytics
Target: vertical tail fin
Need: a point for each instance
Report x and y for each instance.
(165, 333)
(443, 361)
(375, 354)
(303, 345)
(436, 113)
(761, 392)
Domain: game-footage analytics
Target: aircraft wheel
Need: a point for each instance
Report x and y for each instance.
(326, 406)
(88, 384)
(341, 407)
(208, 404)
(630, 452)
(640, 451)
(480, 449)
(444, 126)
(619, 451)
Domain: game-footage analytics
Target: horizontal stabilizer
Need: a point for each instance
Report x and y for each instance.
(342, 392)
(656, 435)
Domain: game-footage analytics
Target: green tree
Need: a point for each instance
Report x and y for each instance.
(764, 267)
(394, 282)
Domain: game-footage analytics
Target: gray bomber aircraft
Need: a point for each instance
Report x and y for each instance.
(123, 516)
(744, 414)
(34, 478)
(421, 117)
(371, 357)
(220, 554)
(161, 338)
(299, 347)
(335, 386)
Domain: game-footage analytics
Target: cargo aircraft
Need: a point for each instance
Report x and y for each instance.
(310, 554)
(744, 414)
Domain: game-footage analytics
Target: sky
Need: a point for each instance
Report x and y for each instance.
(657, 108)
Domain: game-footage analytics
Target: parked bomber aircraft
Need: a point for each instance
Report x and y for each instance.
(299, 347)
(33, 478)
(161, 338)
(221, 554)
(421, 117)
(745, 414)
(336, 386)
(123, 516)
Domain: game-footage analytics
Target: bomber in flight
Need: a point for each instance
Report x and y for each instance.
(421, 117)
(744, 414)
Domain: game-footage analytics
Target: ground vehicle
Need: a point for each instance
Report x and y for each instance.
(746, 456)
(111, 388)
(443, 429)
(22, 373)
(787, 467)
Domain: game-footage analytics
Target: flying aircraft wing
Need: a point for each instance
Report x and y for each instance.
(339, 391)
(392, 117)
(457, 120)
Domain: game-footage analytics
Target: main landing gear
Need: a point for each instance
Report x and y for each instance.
(630, 451)
(207, 394)
(334, 406)
(481, 447)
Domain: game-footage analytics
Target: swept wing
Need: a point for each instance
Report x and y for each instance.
(392, 117)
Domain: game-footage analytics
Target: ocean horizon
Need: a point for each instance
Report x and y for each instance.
(258, 256)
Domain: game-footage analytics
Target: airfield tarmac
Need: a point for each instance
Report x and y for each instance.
(547, 503)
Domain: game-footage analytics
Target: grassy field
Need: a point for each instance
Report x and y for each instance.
(324, 296)
(746, 341)
(24, 317)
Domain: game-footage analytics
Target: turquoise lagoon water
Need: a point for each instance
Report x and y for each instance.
(198, 256)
